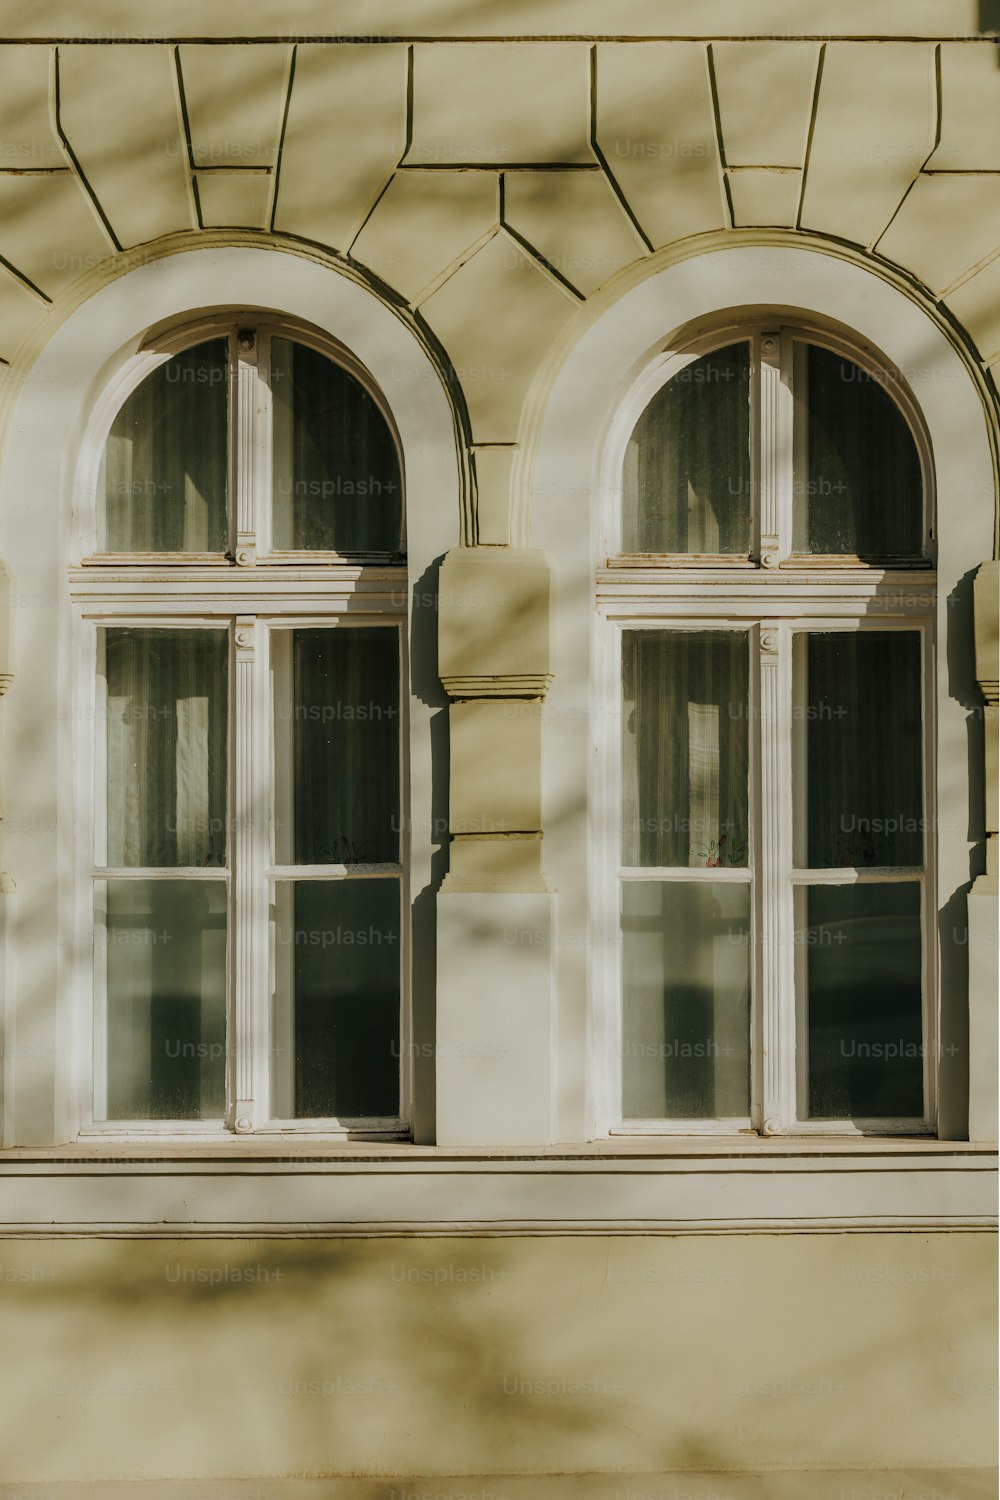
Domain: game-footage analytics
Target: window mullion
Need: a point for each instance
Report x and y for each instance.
(777, 1025)
(249, 949)
(246, 443)
(775, 452)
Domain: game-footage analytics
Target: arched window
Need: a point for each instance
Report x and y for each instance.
(249, 861)
(773, 594)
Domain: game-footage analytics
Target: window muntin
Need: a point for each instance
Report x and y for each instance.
(785, 445)
(259, 442)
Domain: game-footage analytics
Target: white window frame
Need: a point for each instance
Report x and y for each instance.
(774, 594)
(252, 593)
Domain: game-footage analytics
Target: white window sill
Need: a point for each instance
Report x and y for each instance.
(277, 1146)
(294, 1187)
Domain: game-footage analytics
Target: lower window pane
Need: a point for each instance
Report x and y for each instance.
(859, 959)
(337, 999)
(686, 1000)
(163, 1037)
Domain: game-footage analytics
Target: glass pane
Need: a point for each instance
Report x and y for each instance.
(686, 483)
(857, 484)
(166, 710)
(860, 949)
(337, 746)
(163, 483)
(858, 701)
(337, 483)
(164, 1025)
(684, 747)
(686, 1007)
(337, 998)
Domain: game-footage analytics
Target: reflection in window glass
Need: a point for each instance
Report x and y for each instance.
(861, 947)
(686, 1000)
(858, 703)
(163, 482)
(686, 482)
(337, 746)
(684, 747)
(337, 996)
(857, 484)
(336, 477)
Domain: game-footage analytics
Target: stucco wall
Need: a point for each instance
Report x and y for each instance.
(227, 1359)
(493, 177)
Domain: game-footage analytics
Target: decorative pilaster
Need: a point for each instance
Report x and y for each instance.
(495, 1003)
(493, 658)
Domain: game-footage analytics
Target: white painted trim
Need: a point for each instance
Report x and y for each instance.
(69, 391)
(710, 1190)
(574, 421)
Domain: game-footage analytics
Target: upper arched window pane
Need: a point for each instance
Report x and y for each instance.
(163, 481)
(686, 485)
(775, 447)
(857, 482)
(182, 469)
(336, 479)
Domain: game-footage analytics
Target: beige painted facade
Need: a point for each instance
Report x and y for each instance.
(504, 212)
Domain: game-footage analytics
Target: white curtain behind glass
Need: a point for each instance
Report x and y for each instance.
(166, 747)
(686, 478)
(684, 748)
(163, 479)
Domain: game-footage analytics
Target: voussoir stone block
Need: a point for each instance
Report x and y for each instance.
(970, 108)
(344, 136)
(656, 130)
(235, 98)
(923, 236)
(48, 230)
(497, 316)
(875, 119)
(20, 309)
(575, 221)
(495, 103)
(122, 119)
(423, 224)
(27, 136)
(234, 200)
(762, 198)
(765, 100)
